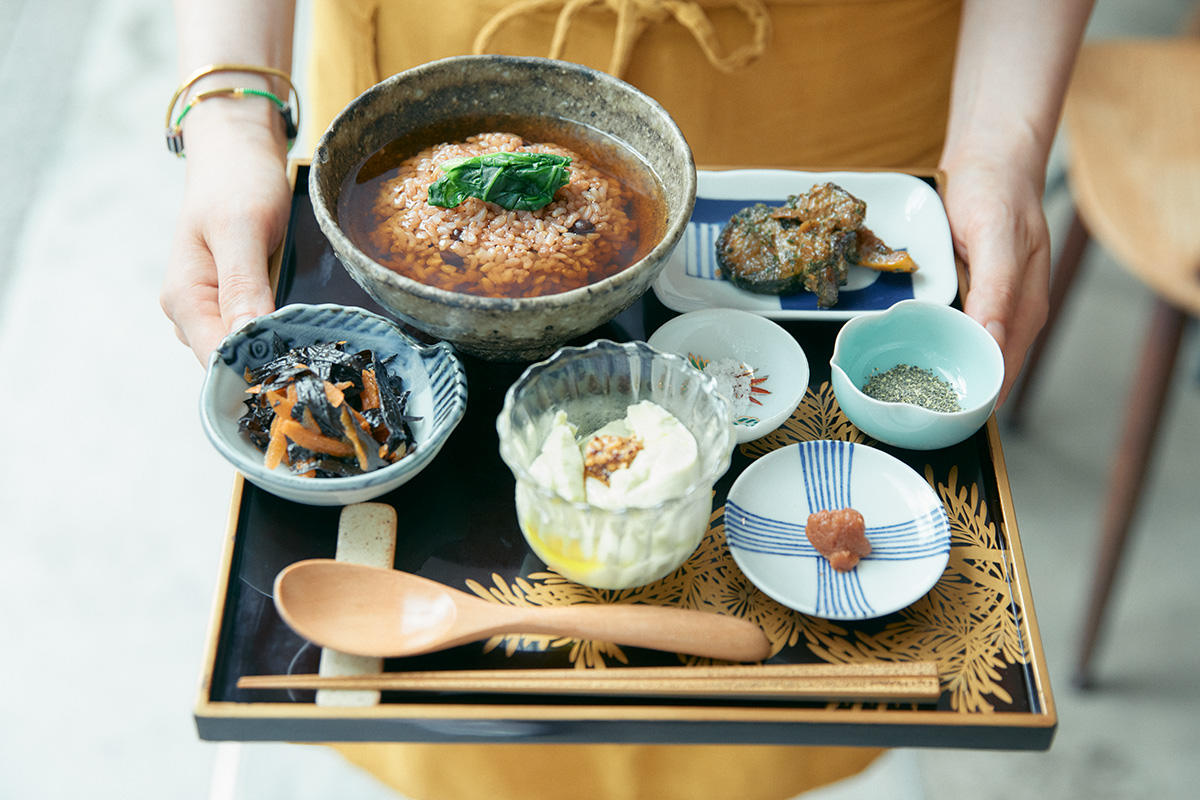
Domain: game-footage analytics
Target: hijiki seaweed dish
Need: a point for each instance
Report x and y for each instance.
(327, 413)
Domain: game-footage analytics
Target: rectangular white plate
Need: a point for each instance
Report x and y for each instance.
(903, 210)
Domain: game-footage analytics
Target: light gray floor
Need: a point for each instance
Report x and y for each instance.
(112, 503)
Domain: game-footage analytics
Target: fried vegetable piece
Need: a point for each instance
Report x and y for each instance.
(325, 412)
(872, 253)
(840, 536)
(807, 243)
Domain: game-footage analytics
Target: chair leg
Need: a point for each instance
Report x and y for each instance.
(1129, 467)
(1064, 276)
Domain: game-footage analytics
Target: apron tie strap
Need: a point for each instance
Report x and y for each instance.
(634, 16)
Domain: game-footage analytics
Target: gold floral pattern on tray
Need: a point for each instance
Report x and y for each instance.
(972, 648)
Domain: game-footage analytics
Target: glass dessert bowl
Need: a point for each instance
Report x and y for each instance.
(651, 516)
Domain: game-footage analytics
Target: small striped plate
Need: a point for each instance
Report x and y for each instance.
(906, 522)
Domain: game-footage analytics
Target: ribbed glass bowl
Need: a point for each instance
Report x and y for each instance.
(594, 385)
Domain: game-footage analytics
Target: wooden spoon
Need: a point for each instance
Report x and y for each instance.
(370, 611)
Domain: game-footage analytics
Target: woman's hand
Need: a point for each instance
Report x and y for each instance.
(999, 230)
(234, 213)
(1014, 62)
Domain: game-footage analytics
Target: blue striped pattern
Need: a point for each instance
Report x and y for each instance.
(448, 382)
(827, 467)
(840, 593)
(700, 248)
(758, 534)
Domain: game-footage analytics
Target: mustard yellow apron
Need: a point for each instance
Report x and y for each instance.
(805, 83)
(605, 772)
(834, 83)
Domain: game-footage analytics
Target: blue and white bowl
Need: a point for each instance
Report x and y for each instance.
(432, 373)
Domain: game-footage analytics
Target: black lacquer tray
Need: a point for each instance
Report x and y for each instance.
(457, 524)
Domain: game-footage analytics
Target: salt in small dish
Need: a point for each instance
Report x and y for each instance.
(934, 338)
(432, 374)
(753, 359)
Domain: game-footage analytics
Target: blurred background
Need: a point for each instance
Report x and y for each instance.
(113, 505)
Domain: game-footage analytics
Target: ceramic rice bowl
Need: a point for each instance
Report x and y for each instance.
(435, 96)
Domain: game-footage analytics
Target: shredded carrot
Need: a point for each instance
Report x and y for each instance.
(400, 452)
(335, 395)
(281, 424)
(283, 401)
(355, 437)
(316, 442)
(277, 446)
(370, 393)
(361, 421)
(309, 421)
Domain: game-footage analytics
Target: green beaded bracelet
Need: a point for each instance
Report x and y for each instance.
(175, 132)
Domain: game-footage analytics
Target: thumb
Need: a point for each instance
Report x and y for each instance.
(244, 290)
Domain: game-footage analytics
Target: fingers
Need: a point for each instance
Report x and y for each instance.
(189, 295)
(212, 289)
(1028, 318)
(1000, 232)
(1008, 291)
(241, 253)
(235, 209)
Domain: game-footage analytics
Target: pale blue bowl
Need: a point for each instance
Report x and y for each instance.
(931, 336)
(432, 373)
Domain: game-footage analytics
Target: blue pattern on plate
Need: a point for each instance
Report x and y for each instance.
(827, 467)
(758, 534)
(433, 374)
(699, 245)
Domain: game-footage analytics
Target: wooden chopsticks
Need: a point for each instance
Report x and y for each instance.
(873, 682)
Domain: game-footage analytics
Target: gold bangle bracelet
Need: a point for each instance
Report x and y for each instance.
(291, 122)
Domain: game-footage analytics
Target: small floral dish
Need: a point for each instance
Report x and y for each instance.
(906, 524)
(757, 364)
(432, 375)
(919, 349)
(612, 546)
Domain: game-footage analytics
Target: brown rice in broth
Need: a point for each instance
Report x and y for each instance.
(581, 237)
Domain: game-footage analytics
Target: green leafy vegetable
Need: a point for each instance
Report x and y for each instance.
(516, 181)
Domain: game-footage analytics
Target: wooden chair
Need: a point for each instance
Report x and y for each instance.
(1132, 126)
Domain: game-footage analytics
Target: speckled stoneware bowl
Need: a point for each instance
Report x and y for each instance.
(437, 94)
(432, 374)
